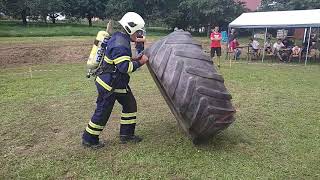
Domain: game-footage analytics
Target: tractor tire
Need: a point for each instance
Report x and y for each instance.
(190, 85)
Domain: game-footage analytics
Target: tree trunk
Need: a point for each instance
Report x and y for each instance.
(90, 21)
(24, 17)
(53, 17)
(44, 18)
(208, 30)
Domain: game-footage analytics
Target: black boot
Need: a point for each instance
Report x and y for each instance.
(91, 141)
(97, 145)
(132, 138)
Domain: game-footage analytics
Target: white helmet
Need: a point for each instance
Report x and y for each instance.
(132, 22)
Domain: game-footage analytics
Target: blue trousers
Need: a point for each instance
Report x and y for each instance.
(105, 103)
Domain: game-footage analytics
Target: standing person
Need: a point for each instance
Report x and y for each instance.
(141, 39)
(215, 38)
(232, 36)
(112, 84)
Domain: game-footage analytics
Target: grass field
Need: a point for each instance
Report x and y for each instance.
(275, 136)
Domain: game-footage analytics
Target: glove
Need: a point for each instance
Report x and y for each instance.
(144, 59)
(137, 58)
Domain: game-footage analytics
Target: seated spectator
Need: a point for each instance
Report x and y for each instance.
(277, 46)
(267, 46)
(288, 43)
(234, 48)
(254, 44)
(312, 47)
(296, 52)
(313, 37)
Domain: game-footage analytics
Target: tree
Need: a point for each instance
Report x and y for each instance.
(86, 9)
(150, 10)
(19, 8)
(50, 8)
(2, 7)
(117, 8)
(203, 13)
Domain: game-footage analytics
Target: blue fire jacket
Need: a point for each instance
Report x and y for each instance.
(118, 53)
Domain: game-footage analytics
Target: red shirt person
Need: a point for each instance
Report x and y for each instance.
(234, 44)
(216, 37)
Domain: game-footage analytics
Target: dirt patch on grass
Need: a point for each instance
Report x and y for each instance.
(21, 54)
(42, 53)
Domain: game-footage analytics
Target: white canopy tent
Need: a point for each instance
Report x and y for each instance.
(279, 19)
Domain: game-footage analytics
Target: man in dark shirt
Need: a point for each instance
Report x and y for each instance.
(141, 38)
(288, 43)
(232, 36)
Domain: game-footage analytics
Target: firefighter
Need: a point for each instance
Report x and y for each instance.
(112, 83)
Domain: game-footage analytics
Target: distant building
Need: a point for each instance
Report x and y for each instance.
(252, 5)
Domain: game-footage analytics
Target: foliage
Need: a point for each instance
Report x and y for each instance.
(86, 9)
(19, 8)
(202, 13)
(184, 14)
(34, 9)
(2, 7)
(50, 8)
(117, 8)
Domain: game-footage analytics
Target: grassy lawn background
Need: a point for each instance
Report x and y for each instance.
(275, 136)
(16, 29)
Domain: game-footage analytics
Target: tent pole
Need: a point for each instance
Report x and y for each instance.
(305, 62)
(305, 35)
(264, 44)
(229, 32)
(252, 36)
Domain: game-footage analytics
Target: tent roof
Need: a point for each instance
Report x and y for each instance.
(278, 19)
